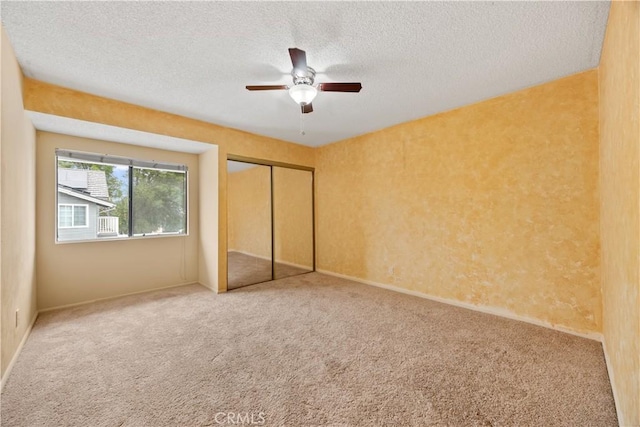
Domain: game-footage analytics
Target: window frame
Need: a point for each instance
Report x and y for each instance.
(73, 215)
(131, 164)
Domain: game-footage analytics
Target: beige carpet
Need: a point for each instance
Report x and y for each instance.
(246, 270)
(309, 350)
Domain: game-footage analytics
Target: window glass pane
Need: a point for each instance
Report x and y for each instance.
(79, 216)
(159, 202)
(64, 216)
(120, 196)
(97, 189)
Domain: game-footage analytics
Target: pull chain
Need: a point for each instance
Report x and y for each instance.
(302, 123)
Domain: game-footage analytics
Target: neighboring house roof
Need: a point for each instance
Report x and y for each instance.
(84, 196)
(90, 185)
(93, 182)
(97, 184)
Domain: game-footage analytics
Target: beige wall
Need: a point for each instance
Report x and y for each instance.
(249, 211)
(208, 218)
(17, 202)
(494, 204)
(620, 204)
(77, 272)
(51, 99)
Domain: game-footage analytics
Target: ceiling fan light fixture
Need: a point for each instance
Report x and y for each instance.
(303, 94)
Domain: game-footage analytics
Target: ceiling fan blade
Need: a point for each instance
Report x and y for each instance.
(340, 87)
(298, 59)
(307, 108)
(268, 87)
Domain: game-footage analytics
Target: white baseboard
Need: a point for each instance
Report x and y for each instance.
(612, 380)
(211, 288)
(18, 350)
(481, 308)
(76, 304)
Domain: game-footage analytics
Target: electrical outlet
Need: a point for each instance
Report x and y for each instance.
(17, 316)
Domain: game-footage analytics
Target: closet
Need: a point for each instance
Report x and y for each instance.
(269, 221)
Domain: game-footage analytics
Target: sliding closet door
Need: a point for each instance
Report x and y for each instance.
(249, 224)
(292, 221)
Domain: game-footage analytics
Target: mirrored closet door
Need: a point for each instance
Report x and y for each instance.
(248, 224)
(270, 222)
(293, 221)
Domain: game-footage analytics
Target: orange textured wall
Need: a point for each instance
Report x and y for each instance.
(51, 99)
(494, 204)
(619, 75)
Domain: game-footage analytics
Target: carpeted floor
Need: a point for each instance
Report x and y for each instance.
(310, 350)
(246, 270)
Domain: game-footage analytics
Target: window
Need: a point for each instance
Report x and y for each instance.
(70, 216)
(116, 197)
(158, 201)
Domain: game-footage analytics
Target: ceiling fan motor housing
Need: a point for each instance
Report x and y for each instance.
(303, 77)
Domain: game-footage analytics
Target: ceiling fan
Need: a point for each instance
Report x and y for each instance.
(303, 92)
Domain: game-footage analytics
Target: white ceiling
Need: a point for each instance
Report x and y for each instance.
(414, 59)
(84, 129)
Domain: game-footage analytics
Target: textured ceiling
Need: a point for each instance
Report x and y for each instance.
(413, 58)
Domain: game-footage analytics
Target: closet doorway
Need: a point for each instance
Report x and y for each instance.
(270, 221)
